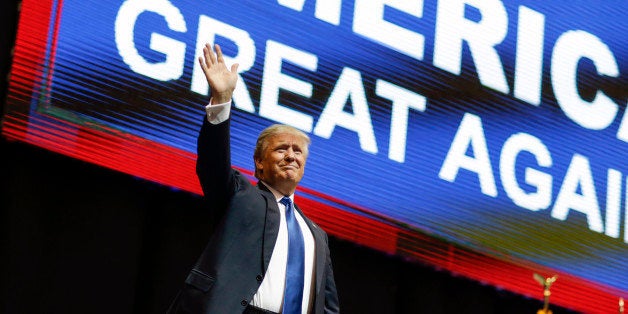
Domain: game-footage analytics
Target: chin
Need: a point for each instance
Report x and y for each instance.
(290, 175)
(291, 178)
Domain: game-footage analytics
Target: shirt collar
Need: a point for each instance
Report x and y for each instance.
(277, 194)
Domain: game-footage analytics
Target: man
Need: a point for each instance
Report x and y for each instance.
(264, 256)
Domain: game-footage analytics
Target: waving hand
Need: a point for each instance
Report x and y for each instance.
(221, 80)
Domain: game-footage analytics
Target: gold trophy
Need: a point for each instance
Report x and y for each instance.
(546, 283)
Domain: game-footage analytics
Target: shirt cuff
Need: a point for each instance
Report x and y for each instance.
(218, 113)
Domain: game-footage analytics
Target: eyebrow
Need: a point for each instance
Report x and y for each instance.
(286, 145)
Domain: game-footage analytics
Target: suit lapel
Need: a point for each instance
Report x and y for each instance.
(271, 225)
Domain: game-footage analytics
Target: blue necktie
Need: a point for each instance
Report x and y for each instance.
(293, 295)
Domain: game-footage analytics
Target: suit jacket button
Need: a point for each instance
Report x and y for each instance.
(259, 278)
(244, 303)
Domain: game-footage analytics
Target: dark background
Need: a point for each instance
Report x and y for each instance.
(79, 238)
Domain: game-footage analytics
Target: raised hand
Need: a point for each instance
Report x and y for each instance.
(221, 80)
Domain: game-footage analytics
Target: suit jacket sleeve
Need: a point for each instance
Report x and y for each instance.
(331, 295)
(213, 165)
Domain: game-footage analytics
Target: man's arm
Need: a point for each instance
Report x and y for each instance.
(213, 162)
(213, 165)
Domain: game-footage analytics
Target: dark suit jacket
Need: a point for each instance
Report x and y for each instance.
(234, 262)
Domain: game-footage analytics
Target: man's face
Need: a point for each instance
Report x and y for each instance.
(282, 163)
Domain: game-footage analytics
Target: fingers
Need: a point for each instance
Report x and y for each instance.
(219, 57)
(205, 60)
(209, 58)
(201, 60)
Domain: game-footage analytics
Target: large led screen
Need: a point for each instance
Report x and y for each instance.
(486, 137)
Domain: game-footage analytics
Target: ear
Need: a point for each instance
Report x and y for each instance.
(258, 164)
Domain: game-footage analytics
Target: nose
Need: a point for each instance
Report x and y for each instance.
(289, 154)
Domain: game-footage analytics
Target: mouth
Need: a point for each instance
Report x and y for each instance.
(289, 167)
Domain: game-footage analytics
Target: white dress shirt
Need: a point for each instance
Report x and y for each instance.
(269, 296)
